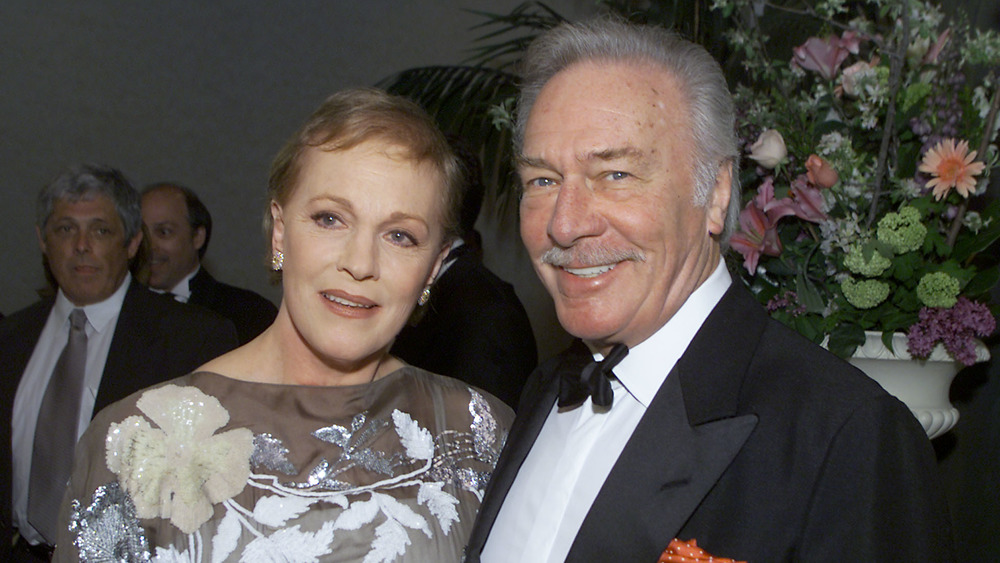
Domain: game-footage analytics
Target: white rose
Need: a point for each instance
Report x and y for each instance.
(769, 149)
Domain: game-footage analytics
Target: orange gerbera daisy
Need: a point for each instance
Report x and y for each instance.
(952, 167)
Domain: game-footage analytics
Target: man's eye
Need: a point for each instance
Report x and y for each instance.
(541, 183)
(618, 175)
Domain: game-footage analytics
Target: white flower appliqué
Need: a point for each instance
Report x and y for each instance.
(180, 468)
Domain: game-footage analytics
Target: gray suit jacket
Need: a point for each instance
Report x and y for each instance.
(156, 339)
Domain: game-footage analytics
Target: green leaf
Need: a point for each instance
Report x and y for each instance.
(809, 295)
(983, 282)
(845, 339)
(971, 244)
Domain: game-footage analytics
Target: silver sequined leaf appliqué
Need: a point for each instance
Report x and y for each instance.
(269, 452)
(108, 530)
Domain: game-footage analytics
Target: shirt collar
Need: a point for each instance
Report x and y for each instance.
(99, 315)
(645, 368)
(182, 291)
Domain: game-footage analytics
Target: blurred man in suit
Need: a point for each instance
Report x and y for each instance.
(473, 327)
(179, 227)
(99, 337)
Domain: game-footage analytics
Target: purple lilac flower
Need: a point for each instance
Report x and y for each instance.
(788, 302)
(955, 327)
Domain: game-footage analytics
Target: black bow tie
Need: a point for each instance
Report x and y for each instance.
(593, 380)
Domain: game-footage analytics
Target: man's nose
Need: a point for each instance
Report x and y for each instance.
(574, 215)
(82, 242)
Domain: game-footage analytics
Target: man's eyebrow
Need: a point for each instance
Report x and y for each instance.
(617, 153)
(523, 160)
(605, 154)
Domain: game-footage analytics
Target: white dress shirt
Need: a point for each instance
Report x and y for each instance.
(101, 321)
(182, 291)
(577, 448)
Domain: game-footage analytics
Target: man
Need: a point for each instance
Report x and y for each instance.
(101, 337)
(179, 227)
(474, 327)
(725, 427)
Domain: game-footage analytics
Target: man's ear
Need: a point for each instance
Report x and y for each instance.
(199, 238)
(133, 245)
(277, 228)
(41, 240)
(718, 200)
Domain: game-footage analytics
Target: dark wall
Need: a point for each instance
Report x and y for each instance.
(202, 93)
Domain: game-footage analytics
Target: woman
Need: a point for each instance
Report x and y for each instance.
(311, 442)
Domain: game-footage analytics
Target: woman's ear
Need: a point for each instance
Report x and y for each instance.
(438, 262)
(277, 228)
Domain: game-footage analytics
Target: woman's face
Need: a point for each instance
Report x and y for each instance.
(361, 236)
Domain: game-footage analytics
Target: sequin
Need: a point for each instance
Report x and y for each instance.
(270, 453)
(484, 429)
(354, 451)
(108, 530)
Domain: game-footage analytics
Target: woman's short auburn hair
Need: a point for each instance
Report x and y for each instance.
(351, 117)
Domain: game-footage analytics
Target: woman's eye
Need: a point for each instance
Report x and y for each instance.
(402, 238)
(326, 219)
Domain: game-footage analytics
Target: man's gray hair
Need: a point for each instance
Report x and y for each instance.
(84, 181)
(699, 75)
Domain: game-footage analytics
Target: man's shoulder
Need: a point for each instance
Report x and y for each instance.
(215, 291)
(144, 304)
(18, 321)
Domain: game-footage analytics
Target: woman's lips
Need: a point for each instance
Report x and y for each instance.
(348, 304)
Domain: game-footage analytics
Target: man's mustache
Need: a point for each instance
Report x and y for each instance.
(590, 256)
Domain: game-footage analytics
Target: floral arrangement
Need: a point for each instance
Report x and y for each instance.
(871, 149)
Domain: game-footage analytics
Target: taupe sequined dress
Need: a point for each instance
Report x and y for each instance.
(208, 468)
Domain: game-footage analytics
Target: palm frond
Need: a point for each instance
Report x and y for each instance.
(463, 100)
(526, 20)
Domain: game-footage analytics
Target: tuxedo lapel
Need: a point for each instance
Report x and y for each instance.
(663, 473)
(690, 434)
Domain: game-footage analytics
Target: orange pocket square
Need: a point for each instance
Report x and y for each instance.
(688, 552)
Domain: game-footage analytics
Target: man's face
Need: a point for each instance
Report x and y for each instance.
(607, 212)
(173, 243)
(84, 243)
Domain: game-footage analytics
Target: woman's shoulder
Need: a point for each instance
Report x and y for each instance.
(161, 396)
(458, 394)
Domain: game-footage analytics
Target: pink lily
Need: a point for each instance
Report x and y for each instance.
(809, 202)
(823, 55)
(774, 208)
(935, 51)
(757, 235)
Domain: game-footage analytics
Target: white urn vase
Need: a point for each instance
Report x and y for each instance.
(921, 384)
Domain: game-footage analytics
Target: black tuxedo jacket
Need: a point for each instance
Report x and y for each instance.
(249, 312)
(474, 329)
(156, 339)
(762, 447)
